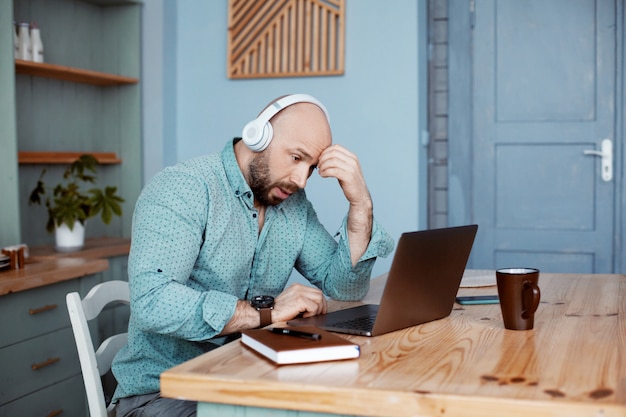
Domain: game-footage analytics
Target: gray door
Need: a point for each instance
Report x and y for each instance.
(542, 95)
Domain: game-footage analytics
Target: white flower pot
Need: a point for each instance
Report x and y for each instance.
(69, 240)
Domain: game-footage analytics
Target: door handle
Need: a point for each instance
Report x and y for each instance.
(606, 153)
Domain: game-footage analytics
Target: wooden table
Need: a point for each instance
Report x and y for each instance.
(572, 364)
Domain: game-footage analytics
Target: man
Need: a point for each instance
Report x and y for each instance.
(215, 240)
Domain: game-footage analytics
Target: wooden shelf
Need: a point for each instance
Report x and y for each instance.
(71, 74)
(65, 157)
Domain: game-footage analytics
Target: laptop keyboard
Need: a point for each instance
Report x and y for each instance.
(357, 323)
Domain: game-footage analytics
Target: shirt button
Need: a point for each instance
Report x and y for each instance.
(254, 215)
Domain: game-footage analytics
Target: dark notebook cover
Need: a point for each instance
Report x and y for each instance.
(286, 349)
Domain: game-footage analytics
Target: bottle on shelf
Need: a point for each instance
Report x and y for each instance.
(36, 44)
(24, 46)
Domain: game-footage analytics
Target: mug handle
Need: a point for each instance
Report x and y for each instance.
(530, 298)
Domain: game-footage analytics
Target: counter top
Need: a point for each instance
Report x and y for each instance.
(45, 266)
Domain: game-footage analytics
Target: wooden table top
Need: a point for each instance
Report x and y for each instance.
(573, 363)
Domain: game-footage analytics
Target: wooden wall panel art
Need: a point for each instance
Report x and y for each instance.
(285, 38)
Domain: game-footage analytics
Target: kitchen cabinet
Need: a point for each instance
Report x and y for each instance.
(37, 351)
(85, 98)
(38, 357)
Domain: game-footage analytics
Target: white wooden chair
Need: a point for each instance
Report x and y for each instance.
(95, 363)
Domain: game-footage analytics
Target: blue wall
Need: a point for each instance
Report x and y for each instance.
(377, 108)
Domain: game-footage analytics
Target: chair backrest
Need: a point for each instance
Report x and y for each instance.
(95, 363)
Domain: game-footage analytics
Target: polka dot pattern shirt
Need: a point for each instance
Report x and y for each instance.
(196, 250)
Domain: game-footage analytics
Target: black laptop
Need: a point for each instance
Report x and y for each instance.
(421, 286)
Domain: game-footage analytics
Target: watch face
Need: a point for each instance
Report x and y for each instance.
(262, 301)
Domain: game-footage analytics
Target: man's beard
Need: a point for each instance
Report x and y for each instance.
(259, 179)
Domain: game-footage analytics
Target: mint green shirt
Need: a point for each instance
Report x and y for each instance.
(196, 250)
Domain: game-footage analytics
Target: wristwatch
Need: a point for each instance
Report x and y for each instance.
(264, 305)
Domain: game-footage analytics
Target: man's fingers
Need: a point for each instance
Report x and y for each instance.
(299, 299)
(335, 160)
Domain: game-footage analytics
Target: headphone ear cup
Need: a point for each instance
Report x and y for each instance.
(251, 133)
(257, 136)
(266, 137)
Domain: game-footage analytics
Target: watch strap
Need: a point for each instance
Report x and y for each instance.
(266, 316)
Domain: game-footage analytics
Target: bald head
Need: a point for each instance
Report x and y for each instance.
(304, 125)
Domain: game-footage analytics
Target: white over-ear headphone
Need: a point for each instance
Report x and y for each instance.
(258, 133)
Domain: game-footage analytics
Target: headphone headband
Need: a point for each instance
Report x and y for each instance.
(287, 101)
(258, 133)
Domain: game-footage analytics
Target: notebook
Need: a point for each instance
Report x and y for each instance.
(421, 286)
(289, 348)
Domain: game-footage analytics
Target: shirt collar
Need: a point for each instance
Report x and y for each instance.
(237, 182)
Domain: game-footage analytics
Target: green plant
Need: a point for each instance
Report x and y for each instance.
(69, 204)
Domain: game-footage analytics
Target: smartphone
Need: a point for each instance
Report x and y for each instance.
(478, 299)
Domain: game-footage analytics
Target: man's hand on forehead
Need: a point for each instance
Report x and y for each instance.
(338, 162)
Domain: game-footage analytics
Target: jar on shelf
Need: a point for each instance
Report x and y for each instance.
(24, 48)
(36, 44)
